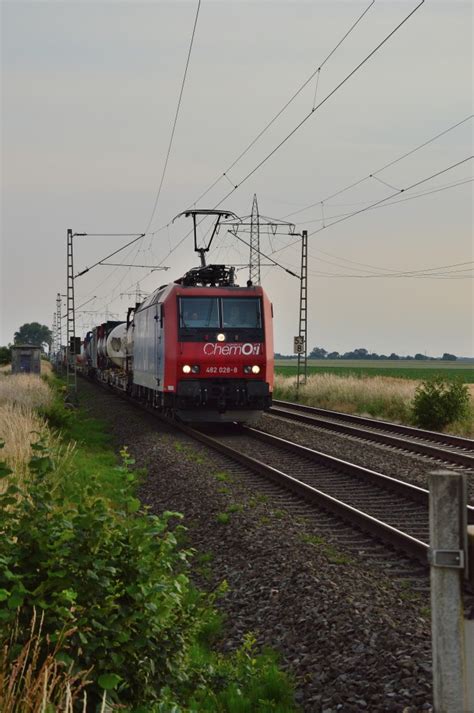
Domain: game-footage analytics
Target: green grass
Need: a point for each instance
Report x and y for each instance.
(223, 518)
(333, 555)
(222, 476)
(399, 369)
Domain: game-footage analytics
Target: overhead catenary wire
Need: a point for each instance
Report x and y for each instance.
(170, 142)
(175, 247)
(401, 200)
(397, 192)
(321, 103)
(88, 269)
(423, 272)
(373, 174)
(382, 200)
(285, 106)
(313, 110)
(175, 121)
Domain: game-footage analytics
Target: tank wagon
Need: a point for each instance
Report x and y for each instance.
(200, 348)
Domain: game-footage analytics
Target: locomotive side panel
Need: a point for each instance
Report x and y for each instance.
(145, 325)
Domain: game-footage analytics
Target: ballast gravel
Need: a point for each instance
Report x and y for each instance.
(413, 468)
(352, 639)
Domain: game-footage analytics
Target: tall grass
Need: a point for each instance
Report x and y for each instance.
(25, 390)
(382, 397)
(21, 426)
(378, 396)
(32, 682)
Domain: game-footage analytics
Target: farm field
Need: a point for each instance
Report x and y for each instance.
(409, 369)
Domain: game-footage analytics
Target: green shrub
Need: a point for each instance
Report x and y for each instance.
(438, 402)
(77, 550)
(5, 355)
(113, 575)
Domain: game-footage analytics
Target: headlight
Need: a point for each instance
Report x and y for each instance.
(186, 369)
(252, 369)
(221, 337)
(195, 369)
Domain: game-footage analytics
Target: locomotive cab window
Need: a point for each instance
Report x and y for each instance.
(241, 313)
(199, 312)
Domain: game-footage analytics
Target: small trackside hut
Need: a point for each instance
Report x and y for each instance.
(26, 359)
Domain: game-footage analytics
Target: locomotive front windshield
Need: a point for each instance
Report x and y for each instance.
(199, 312)
(243, 313)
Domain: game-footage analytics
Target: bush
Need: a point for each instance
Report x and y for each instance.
(439, 402)
(5, 355)
(111, 587)
(116, 577)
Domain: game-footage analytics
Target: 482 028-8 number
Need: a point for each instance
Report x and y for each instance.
(221, 370)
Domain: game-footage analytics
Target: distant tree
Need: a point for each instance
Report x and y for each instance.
(33, 333)
(5, 355)
(394, 356)
(318, 353)
(420, 357)
(333, 355)
(360, 354)
(448, 357)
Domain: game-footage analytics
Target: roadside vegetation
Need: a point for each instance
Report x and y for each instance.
(436, 403)
(97, 606)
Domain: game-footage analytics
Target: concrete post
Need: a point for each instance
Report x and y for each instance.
(469, 626)
(447, 532)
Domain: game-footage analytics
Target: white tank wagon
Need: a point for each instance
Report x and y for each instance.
(116, 345)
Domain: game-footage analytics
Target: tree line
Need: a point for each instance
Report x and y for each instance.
(29, 333)
(321, 353)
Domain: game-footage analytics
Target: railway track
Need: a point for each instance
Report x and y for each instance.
(440, 446)
(389, 510)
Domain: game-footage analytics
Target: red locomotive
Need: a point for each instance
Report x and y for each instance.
(200, 348)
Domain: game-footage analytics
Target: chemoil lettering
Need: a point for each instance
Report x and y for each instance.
(246, 349)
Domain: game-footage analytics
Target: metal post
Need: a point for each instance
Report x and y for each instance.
(303, 321)
(448, 531)
(469, 623)
(54, 343)
(254, 264)
(59, 337)
(71, 375)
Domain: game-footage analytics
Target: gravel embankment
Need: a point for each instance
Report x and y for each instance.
(354, 640)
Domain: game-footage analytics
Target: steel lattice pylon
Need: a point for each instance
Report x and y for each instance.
(59, 337)
(254, 263)
(303, 322)
(71, 376)
(54, 341)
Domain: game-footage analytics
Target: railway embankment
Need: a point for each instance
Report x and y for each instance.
(98, 608)
(354, 638)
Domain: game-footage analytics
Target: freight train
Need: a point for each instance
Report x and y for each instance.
(199, 348)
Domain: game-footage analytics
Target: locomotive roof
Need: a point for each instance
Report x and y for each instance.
(179, 288)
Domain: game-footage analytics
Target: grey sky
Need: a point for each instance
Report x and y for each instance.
(89, 92)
